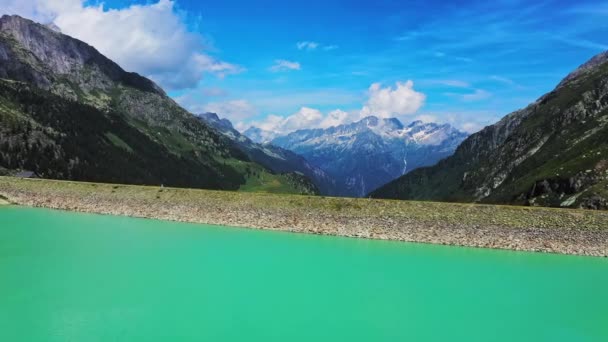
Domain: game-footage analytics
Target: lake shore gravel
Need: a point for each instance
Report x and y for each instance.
(564, 231)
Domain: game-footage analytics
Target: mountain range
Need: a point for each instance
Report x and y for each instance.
(366, 154)
(68, 112)
(552, 153)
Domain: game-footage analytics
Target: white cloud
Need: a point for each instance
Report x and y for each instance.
(391, 102)
(271, 123)
(456, 83)
(471, 127)
(234, 110)
(448, 83)
(337, 117)
(507, 81)
(382, 102)
(284, 65)
(305, 118)
(307, 45)
(150, 39)
(426, 118)
(310, 46)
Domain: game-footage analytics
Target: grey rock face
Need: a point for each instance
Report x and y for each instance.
(54, 56)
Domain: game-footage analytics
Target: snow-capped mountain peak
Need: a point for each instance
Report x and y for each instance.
(373, 151)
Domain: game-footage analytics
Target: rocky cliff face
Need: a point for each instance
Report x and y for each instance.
(366, 154)
(42, 56)
(554, 152)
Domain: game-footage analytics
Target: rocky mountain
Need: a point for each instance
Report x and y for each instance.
(364, 155)
(552, 153)
(68, 112)
(272, 157)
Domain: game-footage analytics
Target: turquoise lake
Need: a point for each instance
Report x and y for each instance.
(81, 277)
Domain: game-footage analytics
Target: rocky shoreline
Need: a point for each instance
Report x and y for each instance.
(515, 228)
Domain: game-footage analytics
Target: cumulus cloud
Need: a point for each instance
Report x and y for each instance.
(234, 110)
(151, 39)
(393, 102)
(284, 65)
(471, 127)
(427, 118)
(397, 101)
(305, 118)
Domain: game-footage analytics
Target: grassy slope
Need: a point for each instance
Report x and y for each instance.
(259, 179)
(430, 213)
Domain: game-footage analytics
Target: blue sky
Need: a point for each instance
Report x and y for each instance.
(473, 61)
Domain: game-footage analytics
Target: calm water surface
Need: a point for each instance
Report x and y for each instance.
(80, 277)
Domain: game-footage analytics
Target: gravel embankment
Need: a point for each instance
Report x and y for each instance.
(517, 228)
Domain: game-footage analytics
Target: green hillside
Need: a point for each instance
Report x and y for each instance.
(68, 112)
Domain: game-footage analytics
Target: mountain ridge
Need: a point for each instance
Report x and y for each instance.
(372, 151)
(553, 152)
(46, 77)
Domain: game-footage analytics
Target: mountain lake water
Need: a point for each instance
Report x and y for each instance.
(81, 277)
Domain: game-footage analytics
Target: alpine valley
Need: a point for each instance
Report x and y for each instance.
(68, 112)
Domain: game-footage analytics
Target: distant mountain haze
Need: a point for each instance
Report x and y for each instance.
(364, 155)
(274, 158)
